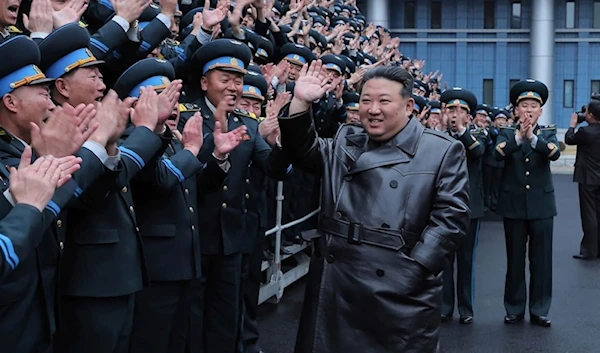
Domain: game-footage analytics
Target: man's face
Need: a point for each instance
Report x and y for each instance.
(383, 111)
(84, 86)
(223, 86)
(529, 108)
(294, 71)
(248, 21)
(500, 121)
(333, 75)
(250, 105)
(175, 27)
(352, 117)
(30, 104)
(173, 120)
(9, 12)
(480, 119)
(457, 116)
(58, 5)
(434, 120)
(318, 27)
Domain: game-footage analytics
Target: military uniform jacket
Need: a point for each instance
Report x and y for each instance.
(474, 141)
(488, 157)
(328, 116)
(392, 215)
(587, 159)
(27, 295)
(167, 206)
(178, 53)
(103, 256)
(527, 190)
(221, 213)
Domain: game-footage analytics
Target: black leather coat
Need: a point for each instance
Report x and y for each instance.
(392, 215)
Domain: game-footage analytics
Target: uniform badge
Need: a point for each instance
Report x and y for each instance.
(246, 137)
(551, 146)
(233, 62)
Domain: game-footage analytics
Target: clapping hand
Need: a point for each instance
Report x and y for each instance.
(192, 137)
(227, 142)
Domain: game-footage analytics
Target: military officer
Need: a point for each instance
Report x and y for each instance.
(297, 55)
(330, 110)
(459, 105)
(222, 64)
(164, 193)
(352, 103)
(492, 168)
(527, 203)
(420, 108)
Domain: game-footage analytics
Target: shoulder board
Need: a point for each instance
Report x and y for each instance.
(548, 127)
(247, 114)
(171, 42)
(13, 29)
(189, 107)
(5, 135)
(82, 24)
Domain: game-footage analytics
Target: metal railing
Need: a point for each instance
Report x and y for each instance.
(277, 281)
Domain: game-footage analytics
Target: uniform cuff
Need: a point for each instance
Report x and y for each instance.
(8, 197)
(518, 140)
(40, 35)
(122, 22)
(99, 151)
(533, 141)
(203, 37)
(165, 20)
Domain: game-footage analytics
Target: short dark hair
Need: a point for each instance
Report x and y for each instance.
(594, 109)
(392, 73)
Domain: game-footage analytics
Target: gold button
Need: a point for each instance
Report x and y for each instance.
(527, 173)
(59, 223)
(247, 196)
(245, 210)
(224, 205)
(224, 187)
(137, 229)
(247, 181)
(62, 245)
(193, 228)
(191, 209)
(124, 189)
(526, 160)
(131, 208)
(187, 191)
(527, 187)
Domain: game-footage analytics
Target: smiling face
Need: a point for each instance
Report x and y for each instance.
(529, 107)
(85, 85)
(28, 104)
(9, 12)
(223, 86)
(383, 109)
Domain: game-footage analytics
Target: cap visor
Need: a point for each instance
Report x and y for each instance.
(93, 63)
(41, 81)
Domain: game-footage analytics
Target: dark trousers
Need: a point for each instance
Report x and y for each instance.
(156, 310)
(97, 325)
(538, 233)
(216, 299)
(465, 265)
(589, 205)
(249, 304)
(492, 177)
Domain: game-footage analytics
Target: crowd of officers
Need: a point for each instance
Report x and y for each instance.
(156, 123)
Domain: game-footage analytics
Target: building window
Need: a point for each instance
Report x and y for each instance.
(595, 86)
(436, 14)
(568, 93)
(409, 14)
(488, 92)
(596, 14)
(513, 82)
(515, 21)
(570, 14)
(489, 15)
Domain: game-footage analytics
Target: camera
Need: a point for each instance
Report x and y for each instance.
(581, 114)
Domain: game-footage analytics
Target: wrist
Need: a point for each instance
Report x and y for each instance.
(208, 31)
(193, 149)
(112, 149)
(220, 157)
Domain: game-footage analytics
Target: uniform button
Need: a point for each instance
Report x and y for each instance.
(245, 210)
(338, 215)
(330, 259)
(526, 160)
(247, 181)
(247, 196)
(225, 188)
(236, 119)
(380, 272)
(527, 173)
(131, 208)
(62, 245)
(249, 165)
(187, 191)
(394, 184)
(137, 229)
(224, 205)
(527, 187)
(348, 178)
(59, 223)
(124, 189)
(193, 228)
(191, 209)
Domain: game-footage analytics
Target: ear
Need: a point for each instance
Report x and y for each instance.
(204, 83)
(10, 103)
(410, 105)
(62, 87)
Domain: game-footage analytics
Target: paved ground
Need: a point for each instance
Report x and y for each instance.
(574, 310)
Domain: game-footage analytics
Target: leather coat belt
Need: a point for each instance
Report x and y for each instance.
(357, 233)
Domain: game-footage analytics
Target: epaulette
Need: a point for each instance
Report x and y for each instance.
(13, 29)
(172, 42)
(247, 114)
(82, 24)
(189, 107)
(548, 127)
(5, 135)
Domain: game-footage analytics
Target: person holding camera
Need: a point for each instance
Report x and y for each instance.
(587, 175)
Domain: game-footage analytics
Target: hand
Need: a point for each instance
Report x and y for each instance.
(196, 23)
(210, 17)
(112, 117)
(227, 142)
(221, 116)
(339, 88)
(357, 76)
(69, 14)
(274, 106)
(40, 17)
(574, 120)
(130, 10)
(65, 131)
(192, 137)
(168, 100)
(311, 85)
(145, 112)
(529, 134)
(525, 126)
(168, 7)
